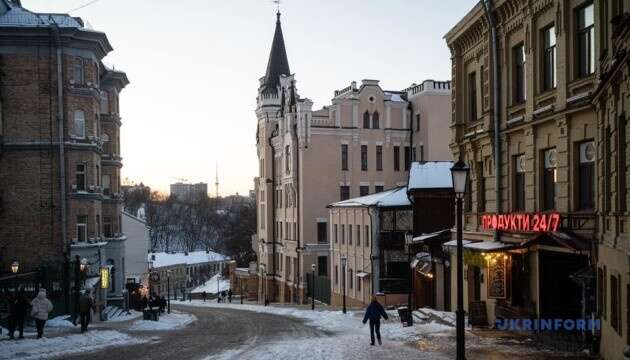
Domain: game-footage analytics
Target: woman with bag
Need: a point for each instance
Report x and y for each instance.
(41, 307)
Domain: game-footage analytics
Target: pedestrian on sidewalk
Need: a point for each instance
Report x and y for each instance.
(18, 306)
(230, 295)
(41, 307)
(373, 313)
(204, 295)
(86, 304)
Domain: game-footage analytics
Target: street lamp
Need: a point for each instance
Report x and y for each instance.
(168, 290)
(408, 242)
(459, 172)
(313, 288)
(15, 266)
(344, 260)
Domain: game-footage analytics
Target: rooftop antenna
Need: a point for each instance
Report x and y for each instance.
(216, 183)
(277, 2)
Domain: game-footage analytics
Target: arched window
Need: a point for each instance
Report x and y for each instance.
(79, 124)
(106, 143)
(366, 120)
(112, 275)
(375, 118)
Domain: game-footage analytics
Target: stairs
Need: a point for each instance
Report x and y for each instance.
(112, 312)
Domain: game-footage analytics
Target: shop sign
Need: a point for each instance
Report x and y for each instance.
(104, 278)
(538, 222)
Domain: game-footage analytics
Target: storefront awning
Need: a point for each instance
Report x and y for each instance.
(567, 239)
(427, 238)
(489, 246)
(453, 243)
(362, 274)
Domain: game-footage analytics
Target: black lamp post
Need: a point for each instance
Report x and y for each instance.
(77, 285)
(15, 267)
(408, 242)
(313, 288)
(168, 290)
(344, 261)
(459, 172)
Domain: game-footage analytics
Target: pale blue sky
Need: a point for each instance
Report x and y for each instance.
(194, 67)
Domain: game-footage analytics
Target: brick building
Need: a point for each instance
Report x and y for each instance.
(59, 144)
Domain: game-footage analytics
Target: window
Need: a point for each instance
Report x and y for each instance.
(396, 158)
(468, 205)
(344, 156)
(287, 154)
(481, 188)
(104, 102)
(379, 158)
(364, 157)
(421, 152)
(98, 226)
(112, 274)
(336, 274)
(106, 185)
(322, 231)
(107, 226)
(82, 228)
(322, 265)
(97, 126)
(407, 158)
(350, 278)
(586, 176)
(413, 153)
(608, 164)
(519, 182)
(472, 96)
(621, 162)
(549, 180)
(335, 234)
(364, 190)
(344, 192)
(367, 236)
(366, 120)
(417, 122)
(519, 84)
(79, 124)
(375, 120)
(106, 144)
(77, 71)
(549, 57)
(378, 188)
(81, 178)
(359, 284)
(585, 40)
(358, 235)
(343, 234)
(349, 234)
(615, 303)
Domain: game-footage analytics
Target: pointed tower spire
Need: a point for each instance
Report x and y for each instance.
(278, 63)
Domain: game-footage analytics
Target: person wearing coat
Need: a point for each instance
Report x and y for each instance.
(229, 295)
(373, 313)
(41, 307)
(18, 306)
(86, 304)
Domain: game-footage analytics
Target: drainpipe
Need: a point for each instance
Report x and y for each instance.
(297, 199)
(62, 154)
(496, 105)
(373, 244)
(273, 216)
(413, 152)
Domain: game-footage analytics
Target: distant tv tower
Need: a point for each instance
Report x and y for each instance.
(216, 183)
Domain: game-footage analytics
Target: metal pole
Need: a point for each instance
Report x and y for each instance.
(77, 285)
(344, 289)
(241, 282)
(168, 286)
(410, 320)
(313, 294)
(460, 286)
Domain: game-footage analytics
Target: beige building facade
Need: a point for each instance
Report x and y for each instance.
(360, 144)
(558, 162)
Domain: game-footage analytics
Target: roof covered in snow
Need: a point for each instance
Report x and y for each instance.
(389, 198)
(195, 257)
(430, 175)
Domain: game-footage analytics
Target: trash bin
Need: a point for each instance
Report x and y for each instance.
(151, 314)
(405, 315)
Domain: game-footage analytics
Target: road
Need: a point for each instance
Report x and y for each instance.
(215, 331)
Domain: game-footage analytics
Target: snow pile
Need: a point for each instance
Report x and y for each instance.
(172, 321)
(62, 321)
(211, 285)
(59, 346)
(194, 257)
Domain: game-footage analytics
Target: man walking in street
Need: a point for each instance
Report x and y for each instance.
(204, 295)
(373, 313)
(85, 307)
(230, 295)
(18, 305)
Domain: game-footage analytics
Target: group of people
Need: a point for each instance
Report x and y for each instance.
(19, 306)
(221, 297)
(154, 301)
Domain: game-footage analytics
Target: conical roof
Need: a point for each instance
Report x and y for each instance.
(278, 63)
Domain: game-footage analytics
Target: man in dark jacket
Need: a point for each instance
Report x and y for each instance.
(18, 306)
(85, 307)
(230, 295)
(373, 313)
